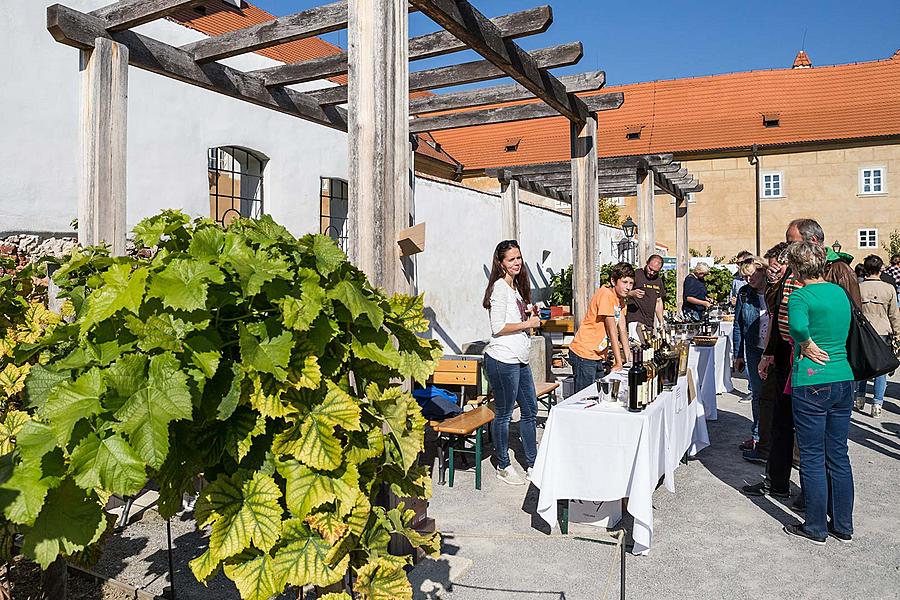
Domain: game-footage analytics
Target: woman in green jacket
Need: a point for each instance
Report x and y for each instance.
(822, 396)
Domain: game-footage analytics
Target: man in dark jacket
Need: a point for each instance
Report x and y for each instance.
(778, 356)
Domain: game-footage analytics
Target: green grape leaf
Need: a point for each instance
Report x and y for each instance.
(308, 489)
(382, 579)
(409, 311)
(411, 365)
(339, 409)
(362, 448)
(399, 520)
(204, 566)
(327, 525)
(122, 289)
(317, 446)
(161, 331)
(232, 398)
(40, 382)
(244, 445)
(266, 398)
(328, 256)
(205, 354)
(109, 464)
(355, 300)
(309, 376)
(207, 243)
(266, 354)
(358, 515)
(24, 492)
(256, 579)
(71, 401)
(184, 283)
(253, 269)
(336, 596)
(403, 420)
(240, 512)
(150, 231)
(303, 559)
(127, 375)
(146, 415)
(299, 313)
(70, 520)
(34, 440)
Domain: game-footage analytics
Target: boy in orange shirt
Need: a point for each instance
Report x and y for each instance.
(603, 330)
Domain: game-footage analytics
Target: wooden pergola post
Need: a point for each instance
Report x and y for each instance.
(104, 116)
(681, 248)
(646, 221)
(509, 210)
(378, 137)
(585, 214)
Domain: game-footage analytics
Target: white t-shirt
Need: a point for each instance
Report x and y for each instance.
(763, 321)
(507, 307)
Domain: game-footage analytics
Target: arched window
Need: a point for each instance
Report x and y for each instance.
(235, 183)
(334, 210)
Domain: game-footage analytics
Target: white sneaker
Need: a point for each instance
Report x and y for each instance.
(876, 411)
(510, 476)
(860, 403)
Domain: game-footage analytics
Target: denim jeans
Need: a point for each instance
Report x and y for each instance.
(753, 356)
(585, 371)
(822, 419)
(880, 387)
(512, 384)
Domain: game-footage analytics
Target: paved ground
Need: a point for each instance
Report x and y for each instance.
(709, 540)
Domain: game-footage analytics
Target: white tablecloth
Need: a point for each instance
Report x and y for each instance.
(723, 358)
(702, 363)
(605, 453)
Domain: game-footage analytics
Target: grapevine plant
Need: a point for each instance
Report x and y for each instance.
(265, 364)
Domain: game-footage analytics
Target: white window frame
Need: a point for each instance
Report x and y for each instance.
(867, 232)
(883, 173)
(762, 185)
(616, 200)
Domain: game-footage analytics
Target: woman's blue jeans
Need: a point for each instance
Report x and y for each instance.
(753, 356)
(512, 384)
(880, 387)
(822, 420)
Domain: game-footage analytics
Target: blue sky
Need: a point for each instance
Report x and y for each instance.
(664, 39)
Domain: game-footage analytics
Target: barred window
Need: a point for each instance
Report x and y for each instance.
(235, 183)
(334, 209)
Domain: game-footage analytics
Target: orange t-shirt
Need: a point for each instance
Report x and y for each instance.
(592, 340)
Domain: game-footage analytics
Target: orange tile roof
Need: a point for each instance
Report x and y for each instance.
(802, 60)
(717, 112)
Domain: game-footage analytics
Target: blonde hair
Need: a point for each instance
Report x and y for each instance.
(753, 264)
(701, 269)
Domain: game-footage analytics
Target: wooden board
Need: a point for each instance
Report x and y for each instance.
(412, 240)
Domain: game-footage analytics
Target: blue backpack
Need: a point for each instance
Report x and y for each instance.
(436, 403)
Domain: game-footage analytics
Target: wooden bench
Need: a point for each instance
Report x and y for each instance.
(452, 436)
(546, 393)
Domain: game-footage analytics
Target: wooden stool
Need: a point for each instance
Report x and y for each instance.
(454, 433)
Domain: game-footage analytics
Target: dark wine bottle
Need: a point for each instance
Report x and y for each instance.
(634, 382)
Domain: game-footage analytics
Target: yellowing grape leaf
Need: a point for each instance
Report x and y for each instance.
(307, 489)
(12, 379)
(256, 579)
(381, 579)
(328, 525)
(302, 560)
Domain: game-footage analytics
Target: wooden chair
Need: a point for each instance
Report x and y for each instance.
(454, 433)
(464, 374)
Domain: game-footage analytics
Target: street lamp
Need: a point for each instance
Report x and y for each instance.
(836, 246)
(629, 228)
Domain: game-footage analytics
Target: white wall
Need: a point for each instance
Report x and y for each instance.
(170, 127)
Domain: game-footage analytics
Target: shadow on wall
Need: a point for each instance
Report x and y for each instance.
(435, 331)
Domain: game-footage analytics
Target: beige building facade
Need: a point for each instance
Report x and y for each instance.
(854, 193)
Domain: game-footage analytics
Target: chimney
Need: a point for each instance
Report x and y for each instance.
(802, 61)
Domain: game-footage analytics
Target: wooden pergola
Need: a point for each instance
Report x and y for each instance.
(640, 176)
(379, 117)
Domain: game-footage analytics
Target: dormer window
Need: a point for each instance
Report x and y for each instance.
(771, 119)
(512, 144)
(633, 132)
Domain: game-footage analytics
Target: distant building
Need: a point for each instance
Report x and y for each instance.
(828, 139)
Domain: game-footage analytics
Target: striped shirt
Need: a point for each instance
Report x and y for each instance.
(791, 284)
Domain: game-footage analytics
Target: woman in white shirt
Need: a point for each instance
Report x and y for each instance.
(506, 357)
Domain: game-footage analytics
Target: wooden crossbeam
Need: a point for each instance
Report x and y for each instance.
(470, 26)
(79, 30)
(470, 72)
(529, 170)
(131, 13)
(585, 82)
(306, 24)
(638, 160)
(512, 26)
(506, 114)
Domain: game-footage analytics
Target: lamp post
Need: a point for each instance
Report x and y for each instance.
(630, 230)
(754, 161)
(836, 246)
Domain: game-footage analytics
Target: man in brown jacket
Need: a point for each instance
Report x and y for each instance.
(778, 357)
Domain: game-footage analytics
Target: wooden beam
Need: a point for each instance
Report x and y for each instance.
(306, 24)
(509, 210)
(585, 214)
(378, 139)
(637, 160)
(646, 218)
(585, 82)
(533, 169)
(104, 108)
(682, 260)
(512, 26)
(506, 114)
(79, 30)
(470, 26)
(131, 13)
(470, 72)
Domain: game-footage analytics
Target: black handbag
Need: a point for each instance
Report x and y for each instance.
(867, 352)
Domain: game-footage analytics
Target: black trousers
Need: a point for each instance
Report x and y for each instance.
(781, 445)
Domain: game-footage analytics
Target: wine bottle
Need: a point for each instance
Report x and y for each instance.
(634, 382)
(650, 367)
